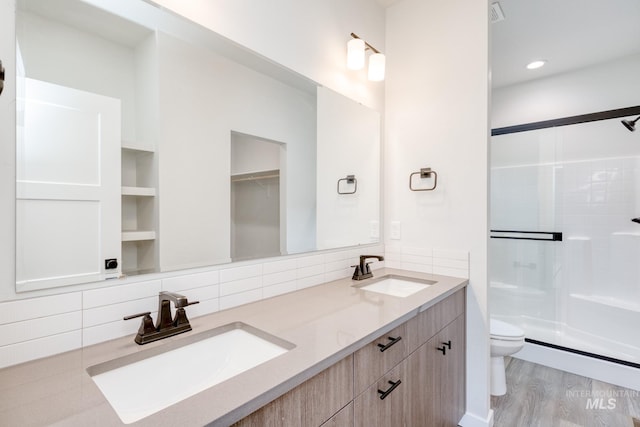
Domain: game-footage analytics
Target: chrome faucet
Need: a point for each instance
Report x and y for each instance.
(166, 325)
(363, 271)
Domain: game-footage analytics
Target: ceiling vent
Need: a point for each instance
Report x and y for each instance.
(497, 14)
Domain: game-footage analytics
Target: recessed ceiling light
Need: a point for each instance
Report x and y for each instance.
(535, 64)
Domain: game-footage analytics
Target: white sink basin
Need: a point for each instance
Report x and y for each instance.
(397, 286)
(146, 382)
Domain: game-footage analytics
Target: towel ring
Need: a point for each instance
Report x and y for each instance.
(350, 179)
(424, 173)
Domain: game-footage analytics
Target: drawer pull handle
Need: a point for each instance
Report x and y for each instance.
(385, 393)
(448, 344)
(443, 349)
(384, 347)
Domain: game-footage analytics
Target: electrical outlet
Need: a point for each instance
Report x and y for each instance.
(110, 264)
(395, 230)
(374, 229)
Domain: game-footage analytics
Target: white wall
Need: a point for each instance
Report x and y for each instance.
(603, 87)
(348, 144)
(57, 53)
(436, 116)
(194, 166)
(147, 104)
(309, 37)
(250, 154)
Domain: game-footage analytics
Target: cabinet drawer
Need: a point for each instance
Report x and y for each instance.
(370, 410)
(433, 319)
(377, 357)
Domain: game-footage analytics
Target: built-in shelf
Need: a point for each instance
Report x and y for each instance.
(139, 191)
(128, 145)
(136, 236)
(254, 176)
(139, 205)
(138, 272)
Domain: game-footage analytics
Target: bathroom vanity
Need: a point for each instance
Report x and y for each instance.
(359, 358)
(412, 375)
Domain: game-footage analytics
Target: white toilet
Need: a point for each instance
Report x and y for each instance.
(506, 340)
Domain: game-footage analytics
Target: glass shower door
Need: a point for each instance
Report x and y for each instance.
(582, 292)
(524, 263)
(601, 251)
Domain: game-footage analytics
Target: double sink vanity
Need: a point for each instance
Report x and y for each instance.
(387, 350)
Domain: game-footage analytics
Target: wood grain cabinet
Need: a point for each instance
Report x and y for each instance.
(386, 402)
(311, 403)
(438, 378)
(378, 357)
(436, 317)
(344, 418)
(412, 376)
(429, 371)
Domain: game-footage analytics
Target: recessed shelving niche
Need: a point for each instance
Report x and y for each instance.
(139, 208)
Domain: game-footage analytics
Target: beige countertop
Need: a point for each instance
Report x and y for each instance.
(325, 322)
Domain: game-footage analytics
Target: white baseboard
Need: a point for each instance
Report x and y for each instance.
(591, 367)
(473, 420)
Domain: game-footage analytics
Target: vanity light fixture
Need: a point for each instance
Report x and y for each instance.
(536, 64)
(355, 54)
(376, 67)
(356, 48)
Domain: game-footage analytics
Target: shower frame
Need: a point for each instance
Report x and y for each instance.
(565, 121)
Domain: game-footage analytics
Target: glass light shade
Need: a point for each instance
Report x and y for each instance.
(376, 67)
(355, 54)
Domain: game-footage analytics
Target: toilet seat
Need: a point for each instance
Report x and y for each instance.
(503, 331)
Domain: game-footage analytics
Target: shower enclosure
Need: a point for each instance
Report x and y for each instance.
(564, 251)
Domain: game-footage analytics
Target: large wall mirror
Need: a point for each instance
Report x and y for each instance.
(147, 143)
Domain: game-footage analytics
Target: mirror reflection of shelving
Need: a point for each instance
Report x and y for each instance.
(138, 209)
(257, 198)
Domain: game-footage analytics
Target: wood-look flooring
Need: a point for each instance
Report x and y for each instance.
(538, 396)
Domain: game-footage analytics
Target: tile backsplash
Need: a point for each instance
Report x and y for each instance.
(427, 260)
(44, 326)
